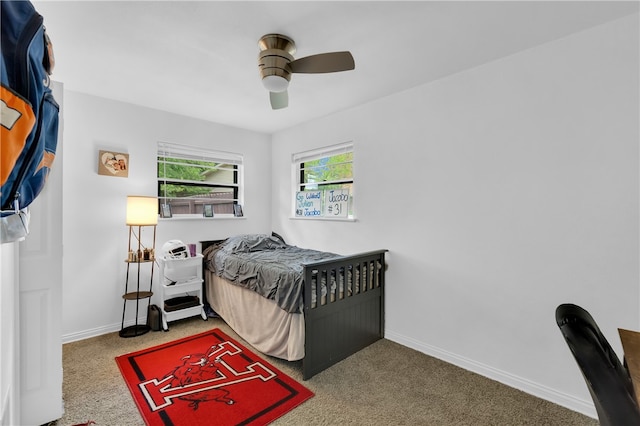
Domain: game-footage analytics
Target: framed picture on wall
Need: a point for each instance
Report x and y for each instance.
(207, 210)
(165, 210)
(237, 210)
(112, 163)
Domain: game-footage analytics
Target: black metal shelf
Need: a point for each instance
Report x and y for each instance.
(137, 295)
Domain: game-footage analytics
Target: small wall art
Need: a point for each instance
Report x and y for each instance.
(113, 164)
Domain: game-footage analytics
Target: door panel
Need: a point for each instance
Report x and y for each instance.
(40, 295)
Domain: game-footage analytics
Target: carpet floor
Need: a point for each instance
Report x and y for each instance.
(384, 384)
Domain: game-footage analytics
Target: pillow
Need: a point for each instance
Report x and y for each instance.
(251, 242)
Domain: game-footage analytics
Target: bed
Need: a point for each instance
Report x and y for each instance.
(294, 303)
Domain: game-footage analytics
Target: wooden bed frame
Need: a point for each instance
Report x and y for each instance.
(344, 323)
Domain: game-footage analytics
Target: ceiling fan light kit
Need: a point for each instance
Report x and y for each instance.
(275, 83)
(276, 64)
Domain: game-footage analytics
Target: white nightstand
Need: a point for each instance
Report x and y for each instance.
(181, 278)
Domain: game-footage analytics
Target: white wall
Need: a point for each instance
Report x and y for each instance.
(95, 234)
(500, 192)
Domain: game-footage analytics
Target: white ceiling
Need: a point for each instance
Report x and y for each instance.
(200, 58)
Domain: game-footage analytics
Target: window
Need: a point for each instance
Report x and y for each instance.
(190, 178)
(324, 186)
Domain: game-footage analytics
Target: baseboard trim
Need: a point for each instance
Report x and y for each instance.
(98, 331)
(568, 401)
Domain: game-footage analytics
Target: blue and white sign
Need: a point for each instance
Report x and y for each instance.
(308, 204)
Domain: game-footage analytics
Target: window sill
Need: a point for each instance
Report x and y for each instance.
(326, 219)
(199, 217)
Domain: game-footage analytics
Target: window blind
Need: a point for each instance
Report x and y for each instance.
(191, 153)
(328, 151)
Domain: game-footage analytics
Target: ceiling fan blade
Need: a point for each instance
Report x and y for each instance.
(323, 63)
(279, 100)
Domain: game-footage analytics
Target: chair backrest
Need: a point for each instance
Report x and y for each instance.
(607, 379)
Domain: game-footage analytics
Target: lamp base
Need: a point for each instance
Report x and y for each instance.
(135, 330)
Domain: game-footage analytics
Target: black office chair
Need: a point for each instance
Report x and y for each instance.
(608, 380)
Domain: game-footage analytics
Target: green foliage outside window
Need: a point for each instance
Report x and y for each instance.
(332, 172)
(188, 173)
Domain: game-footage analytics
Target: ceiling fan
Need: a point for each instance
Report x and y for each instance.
(276, 64)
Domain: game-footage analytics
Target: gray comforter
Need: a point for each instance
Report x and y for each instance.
(266, 265)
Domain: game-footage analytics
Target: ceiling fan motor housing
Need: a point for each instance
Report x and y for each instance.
(276, 53)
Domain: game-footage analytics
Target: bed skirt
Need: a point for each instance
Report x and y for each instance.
(259, 321)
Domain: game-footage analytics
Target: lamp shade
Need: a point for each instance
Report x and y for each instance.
(142, 210)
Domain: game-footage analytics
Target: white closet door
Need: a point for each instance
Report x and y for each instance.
(40, 295)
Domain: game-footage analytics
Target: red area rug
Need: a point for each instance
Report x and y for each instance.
(208, 379)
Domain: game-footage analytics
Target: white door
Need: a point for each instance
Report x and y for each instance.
(40, 295)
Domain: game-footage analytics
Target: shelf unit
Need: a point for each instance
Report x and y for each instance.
(137, 329)
(181, 277)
